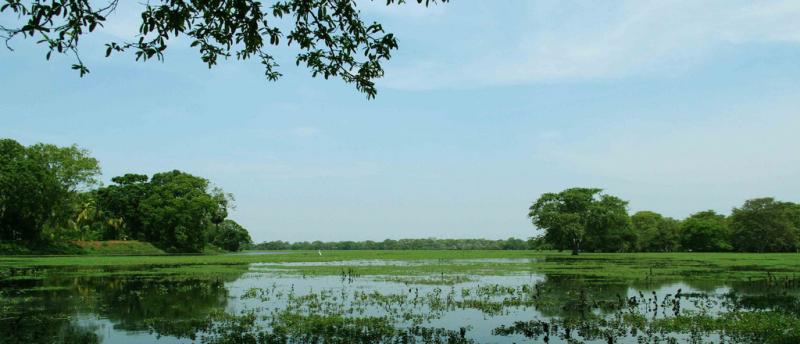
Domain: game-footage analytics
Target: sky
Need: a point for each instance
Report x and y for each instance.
(674, 106)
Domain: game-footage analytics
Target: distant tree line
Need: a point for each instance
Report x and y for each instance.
(407, 244)
(586, 219)
(51, 194)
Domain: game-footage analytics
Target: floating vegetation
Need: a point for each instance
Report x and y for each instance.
(427, 280)
(289, 327)
(564, 310)
(353, 304)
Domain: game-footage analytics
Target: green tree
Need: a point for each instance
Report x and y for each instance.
(765, 225)
(705, 231)
(224, 202)
(122, 200)
(177, 211)
(39, 187)
(608, 226)
(74, 171)
(91, 222)
(27, 192)
(72, 166)
(582, 218)
(230, 236)
(655, 233)
(86, 217)
(332, 38)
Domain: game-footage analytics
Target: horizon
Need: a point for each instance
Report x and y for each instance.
(675, 113)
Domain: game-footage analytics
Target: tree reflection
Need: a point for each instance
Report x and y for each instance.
(166, 306)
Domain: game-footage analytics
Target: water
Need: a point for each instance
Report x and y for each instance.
(137, 307)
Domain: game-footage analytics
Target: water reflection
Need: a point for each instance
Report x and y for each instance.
(71, 309)
(139, 307)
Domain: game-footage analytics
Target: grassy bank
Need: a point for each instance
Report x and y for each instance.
(90, 248)
(118, 248)
(39, 248)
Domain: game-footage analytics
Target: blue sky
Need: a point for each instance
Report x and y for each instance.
(676, 106)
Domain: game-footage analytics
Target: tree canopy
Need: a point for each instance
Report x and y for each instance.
(122, 200)
(656, 233)
(705, 231)
(582, 218)
(49, 194)
(229, 235)
(331, 37)
(177, 211)
(765, 225)
(586, 219)
(38, 187)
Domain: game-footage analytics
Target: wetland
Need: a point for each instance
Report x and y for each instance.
(402, 297)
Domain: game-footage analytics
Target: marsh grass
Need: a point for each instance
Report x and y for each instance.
(576, 315)
(411, 296)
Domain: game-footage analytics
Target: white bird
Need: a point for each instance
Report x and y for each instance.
(319, 252)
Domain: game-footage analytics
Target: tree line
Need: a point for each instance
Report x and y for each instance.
(405, 244)
(51, 194)
(586, 219)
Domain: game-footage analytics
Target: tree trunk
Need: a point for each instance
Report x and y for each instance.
(575, 246)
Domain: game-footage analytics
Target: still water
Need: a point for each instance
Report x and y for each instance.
(139, 307)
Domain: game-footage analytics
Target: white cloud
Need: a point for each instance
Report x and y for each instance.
(563, 41)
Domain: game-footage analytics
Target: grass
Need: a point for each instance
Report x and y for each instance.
(92, 248)
(39, 248)
(641, 266)
(118, 247)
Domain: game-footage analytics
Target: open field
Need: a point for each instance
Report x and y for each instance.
(402, 297)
